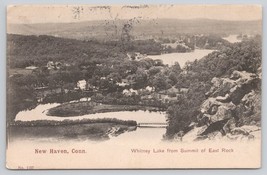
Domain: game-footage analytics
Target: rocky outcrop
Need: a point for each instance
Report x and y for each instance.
(249, 109)
(221, 86)
(231, 110)
(234, 88)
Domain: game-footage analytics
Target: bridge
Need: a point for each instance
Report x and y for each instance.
(152, 125)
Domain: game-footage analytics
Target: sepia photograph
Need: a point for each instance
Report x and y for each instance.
(133, 86)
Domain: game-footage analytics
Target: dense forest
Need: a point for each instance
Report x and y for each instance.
(26, 51)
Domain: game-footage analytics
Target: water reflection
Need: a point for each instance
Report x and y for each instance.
(129, 135)
(181, 58)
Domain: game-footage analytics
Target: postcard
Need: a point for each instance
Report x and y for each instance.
(133, 86)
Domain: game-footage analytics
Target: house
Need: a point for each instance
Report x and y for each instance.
(127, 81)
(58, 65)
(150, 89)
(126, 92)
(122, 84)
(184, 90)
(50, 65)
(133, 91)
(129, 92)
(81, 84)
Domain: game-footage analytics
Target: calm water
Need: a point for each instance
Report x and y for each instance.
(181, 58)
(232, 39)
(39, 113)
(155, 134)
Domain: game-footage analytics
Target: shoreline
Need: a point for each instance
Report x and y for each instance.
(84, 108)
(94, 129)
(44, 123)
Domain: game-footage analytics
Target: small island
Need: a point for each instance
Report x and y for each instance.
(85, 107)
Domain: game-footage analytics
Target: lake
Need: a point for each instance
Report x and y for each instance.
(181, 58)
(39, 113)
(232, 39)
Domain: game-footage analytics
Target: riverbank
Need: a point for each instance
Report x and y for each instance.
(83, 108)
(95, 129)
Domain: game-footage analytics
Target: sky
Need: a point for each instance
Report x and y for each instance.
(77, 13)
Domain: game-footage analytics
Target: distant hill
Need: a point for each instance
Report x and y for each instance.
(105, 29)
(23, 51)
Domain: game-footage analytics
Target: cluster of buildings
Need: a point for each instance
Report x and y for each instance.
(51, 65)
(54, 65)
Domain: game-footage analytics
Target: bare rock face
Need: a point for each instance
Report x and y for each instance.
(245, 84)
(249, 109)
(232, 109)
(194, 134)
(221, 86)
(215, 110)
(208, 104)
(223, 99)
(224, 111)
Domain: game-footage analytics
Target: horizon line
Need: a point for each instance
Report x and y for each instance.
(95, 20)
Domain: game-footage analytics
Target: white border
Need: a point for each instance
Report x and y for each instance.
(4, 171)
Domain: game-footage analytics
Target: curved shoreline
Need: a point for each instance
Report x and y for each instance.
(83, 108)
